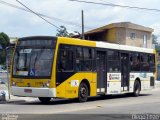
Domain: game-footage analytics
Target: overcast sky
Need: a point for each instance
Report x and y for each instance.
(18, 23)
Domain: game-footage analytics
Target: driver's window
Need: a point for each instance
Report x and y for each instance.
(65, 58)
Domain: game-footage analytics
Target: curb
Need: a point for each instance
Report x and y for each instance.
(12, 101)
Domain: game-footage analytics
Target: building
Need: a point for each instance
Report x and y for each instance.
(126, 33)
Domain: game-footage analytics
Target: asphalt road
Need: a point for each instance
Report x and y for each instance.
(118, 104)
(97, 107)
(106, 108)
(146, 103)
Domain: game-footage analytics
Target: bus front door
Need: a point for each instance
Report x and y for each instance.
(125, 71)
(101, 72)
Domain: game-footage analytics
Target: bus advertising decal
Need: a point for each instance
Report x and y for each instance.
(114, 76)
(32, 72)
(74, 83)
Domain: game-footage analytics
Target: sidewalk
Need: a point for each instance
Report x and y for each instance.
(157, 84)
(14, 99)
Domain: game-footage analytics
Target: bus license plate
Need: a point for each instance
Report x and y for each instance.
(28, 90)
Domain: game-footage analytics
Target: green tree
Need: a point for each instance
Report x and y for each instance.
(62, 32)
(2, 57)
(154, 39)
(4, 42)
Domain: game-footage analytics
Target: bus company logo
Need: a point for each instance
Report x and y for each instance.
(114, 77)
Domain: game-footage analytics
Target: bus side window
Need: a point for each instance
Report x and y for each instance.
(84, 59)
(144, 62)
(65, 60)
(87, 62)
(135, 61)
(113, 61)
(62, 60)
(152, 63)
(79, 58)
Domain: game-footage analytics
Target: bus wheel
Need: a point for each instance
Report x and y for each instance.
(45, 99)
(83, 92)
(137, 88)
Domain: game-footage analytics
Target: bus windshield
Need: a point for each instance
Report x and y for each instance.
(33, 61)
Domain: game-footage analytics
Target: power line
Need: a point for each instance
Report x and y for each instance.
(116, 5)
(38, 15)
(105, 1)
(11, 5)
(46, 16)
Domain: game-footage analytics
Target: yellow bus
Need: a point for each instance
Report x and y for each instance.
(58, 67)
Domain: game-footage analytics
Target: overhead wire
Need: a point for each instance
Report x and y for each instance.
(105, 3)
(38, 15)
(46, 16)
(78, 25)
(116, 5)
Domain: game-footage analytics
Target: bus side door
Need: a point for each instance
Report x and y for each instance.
(125, 71)
(101, 72)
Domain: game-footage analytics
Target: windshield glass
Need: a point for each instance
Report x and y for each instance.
(33, 61)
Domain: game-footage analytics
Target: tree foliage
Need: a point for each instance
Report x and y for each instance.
(4, 42)
(62, 32)
(154, 39)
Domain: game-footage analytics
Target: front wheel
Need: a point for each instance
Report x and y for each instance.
(137, 88)
(83, 92)
(45, 99)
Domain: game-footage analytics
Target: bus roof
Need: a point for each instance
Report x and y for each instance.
(123, 47)
(102, 44)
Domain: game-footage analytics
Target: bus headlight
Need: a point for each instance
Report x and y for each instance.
(46, 84)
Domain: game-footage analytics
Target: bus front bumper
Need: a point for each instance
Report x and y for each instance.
(33, 92)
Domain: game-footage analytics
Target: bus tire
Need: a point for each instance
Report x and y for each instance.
(137, 88)
(45, 99)
(83, 92)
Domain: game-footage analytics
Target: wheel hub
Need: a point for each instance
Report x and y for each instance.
(83, 92)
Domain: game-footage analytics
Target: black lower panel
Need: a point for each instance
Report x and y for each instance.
(62, 76)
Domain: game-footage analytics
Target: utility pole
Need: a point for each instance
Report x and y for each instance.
(7, 50)
(8, 78)
(82, 25)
